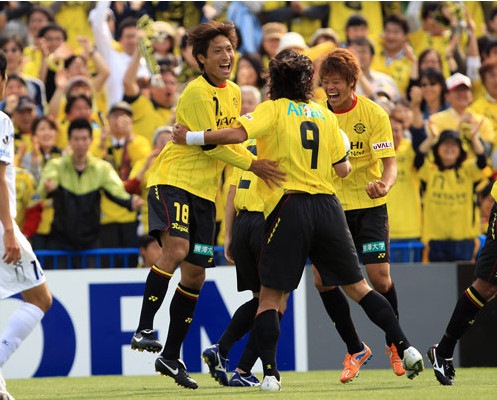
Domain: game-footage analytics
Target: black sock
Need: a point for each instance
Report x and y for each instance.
(240, 324)
(391, 296)
(155, 291)
(462, 318)
(267, 331)
(381, 313)
(181, 316)
(338, 309)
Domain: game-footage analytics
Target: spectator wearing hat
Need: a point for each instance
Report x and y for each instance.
(23, 116)
(13, 49)
(272, 32)
(137, 181)
(459, 117)
(371, 82)
(322, 35)
(124, 150)
(163, 41)
(450, 219)
(293, 41)
(116, 59)
(149, 114)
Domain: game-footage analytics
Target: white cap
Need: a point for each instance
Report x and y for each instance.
(456, 80)
(292, 40)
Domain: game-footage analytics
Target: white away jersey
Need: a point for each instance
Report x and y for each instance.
(7, 156)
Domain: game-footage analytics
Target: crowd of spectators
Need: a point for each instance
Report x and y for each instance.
(90, 117)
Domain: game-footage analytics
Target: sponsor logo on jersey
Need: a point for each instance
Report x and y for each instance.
(373, 247)
(248, 116)
(304, 110)
(203, 249)
(179, 227)
(359, 128)
(382, 145)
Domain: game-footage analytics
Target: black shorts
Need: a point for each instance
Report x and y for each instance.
(486, 265)
(184, 215)
(305, 225)
(369, 228)
(248, 235)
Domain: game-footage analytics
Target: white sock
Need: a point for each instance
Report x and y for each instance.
(19, 326)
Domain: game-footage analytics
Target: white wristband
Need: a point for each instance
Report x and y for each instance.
(346, 141)
(195, 138)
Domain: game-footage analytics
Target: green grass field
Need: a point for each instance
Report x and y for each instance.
(471, 383)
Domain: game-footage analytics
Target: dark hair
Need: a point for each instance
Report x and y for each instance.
(4, 39)
(40, 9)
(342, 62)
(3, 64)
(68, 61)
(430, 7)
(145, 240)
(39, 120)
(71, 100)
(183, 42)
(18, 78)
(79, 123)
(487, 66)
(52, 27)
(291, 76)
(201, 36)
(398, 20)
(356, 20)
(493, 13)
(489, 46)
(127, 22)
(363, 42)
(436, 158)
(434, 76)
(256, 62)
(425, 53)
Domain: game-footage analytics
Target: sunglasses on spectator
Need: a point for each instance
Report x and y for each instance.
(425, 84)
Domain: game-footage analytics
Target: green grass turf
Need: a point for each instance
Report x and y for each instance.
(471, 383)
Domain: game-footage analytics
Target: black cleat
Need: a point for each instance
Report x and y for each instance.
(146, 340)
(176, 369)
(443, 368)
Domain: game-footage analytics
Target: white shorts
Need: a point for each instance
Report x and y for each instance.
(25, 274)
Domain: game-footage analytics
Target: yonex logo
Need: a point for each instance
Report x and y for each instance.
(188, 320)
(153, 298)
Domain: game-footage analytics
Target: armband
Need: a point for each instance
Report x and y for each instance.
(195, 138)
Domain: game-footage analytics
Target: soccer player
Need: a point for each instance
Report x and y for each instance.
(183, 184)
(20, 271)
(474, 298)
(362, 195)
(303, 217)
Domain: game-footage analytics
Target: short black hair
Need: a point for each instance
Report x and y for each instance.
(4, 39)
(18, 78)
(3, 64)
(72, 99)
(493, 13)
(79, 123)
(356, 20)
(489, 46)
(52, 27)
(363, 42)
(398, 20)
(127, 22)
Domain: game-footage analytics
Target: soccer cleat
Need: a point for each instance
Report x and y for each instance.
(146, 340)
(395, 360)
(217, 364)
(176, 369)
(238, 380)
(412, 362)
(353, 362)
(4, 395)
(443, 367)
(271, 384)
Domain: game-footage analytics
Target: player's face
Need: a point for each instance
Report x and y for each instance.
(339, 92)
(219, 61)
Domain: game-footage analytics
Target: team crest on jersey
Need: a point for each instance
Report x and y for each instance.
(359, 128)
(248, 116)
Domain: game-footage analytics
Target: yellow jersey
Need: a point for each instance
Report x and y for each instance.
(448, 202)
(399, 68)
(202, 106)
(305, 140)
(494, 192)
(147, 117)
(486, 106)
(403, 199)
(247, 196)
(422, 40)
(368, 128)
(26, 194)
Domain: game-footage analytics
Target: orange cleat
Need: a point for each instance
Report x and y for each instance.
(353, 362)
(395, 360)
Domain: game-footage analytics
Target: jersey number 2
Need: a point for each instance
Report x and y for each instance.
(310, 144)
